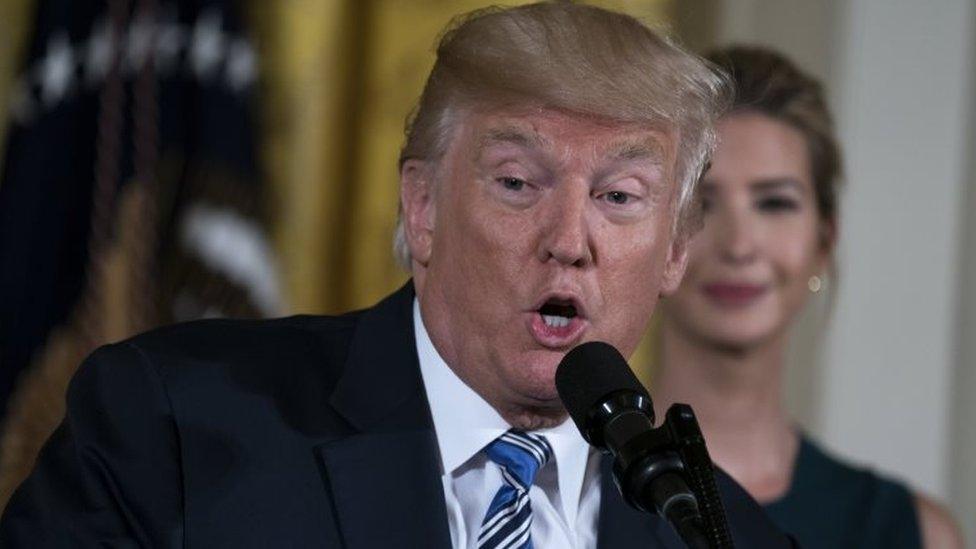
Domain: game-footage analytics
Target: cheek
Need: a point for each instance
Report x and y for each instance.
(461, 228)
(479, 246)
(632, 283)
(699, 248)
(493, 241)
(793, 251)
(700, 252)
(632, 257)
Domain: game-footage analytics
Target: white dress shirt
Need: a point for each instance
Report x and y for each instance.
(565, 497)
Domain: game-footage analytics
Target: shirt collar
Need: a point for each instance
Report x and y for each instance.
(465, 423)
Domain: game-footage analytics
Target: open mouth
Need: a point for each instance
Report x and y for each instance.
(558, 322)
(557, 313)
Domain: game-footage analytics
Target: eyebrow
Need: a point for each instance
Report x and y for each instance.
(515, 136)
(626, 151)
(637, 150)
(776, 183)
(758, 186)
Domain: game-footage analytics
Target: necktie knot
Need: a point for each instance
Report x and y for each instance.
(509, 518)
(520, 456)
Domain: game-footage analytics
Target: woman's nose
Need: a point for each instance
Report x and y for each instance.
(735, 238)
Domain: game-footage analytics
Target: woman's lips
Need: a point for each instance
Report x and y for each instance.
(733, 295)
(558, 336)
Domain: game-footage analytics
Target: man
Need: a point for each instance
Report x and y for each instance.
(546, 185)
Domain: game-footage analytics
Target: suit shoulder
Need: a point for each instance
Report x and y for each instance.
(259, 349)
(227, 337)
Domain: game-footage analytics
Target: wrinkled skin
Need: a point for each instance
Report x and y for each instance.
(532, 205)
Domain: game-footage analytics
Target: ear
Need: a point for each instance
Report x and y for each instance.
(417, 202)
(675, 264)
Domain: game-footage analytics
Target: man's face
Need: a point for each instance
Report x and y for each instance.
(539, 230)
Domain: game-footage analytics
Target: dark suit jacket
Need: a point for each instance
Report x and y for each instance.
(299, 432)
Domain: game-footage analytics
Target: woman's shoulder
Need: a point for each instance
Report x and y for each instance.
(890, 501)
(835, 503)
(819, 469)
(939, 528)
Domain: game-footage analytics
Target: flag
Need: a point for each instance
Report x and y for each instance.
(131, 193)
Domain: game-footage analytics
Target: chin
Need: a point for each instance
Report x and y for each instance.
(533, 386)
(739, 336)
(535, 419)
(537, 379)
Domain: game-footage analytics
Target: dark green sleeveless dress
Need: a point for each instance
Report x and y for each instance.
(833, 505)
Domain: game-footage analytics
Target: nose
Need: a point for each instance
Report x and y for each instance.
(735, 238)
(566, 238)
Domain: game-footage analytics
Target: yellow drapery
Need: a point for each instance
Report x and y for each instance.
(340, 78)
(16, 18)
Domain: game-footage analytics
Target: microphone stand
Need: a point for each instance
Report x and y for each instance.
(667, 470)
(685, 432)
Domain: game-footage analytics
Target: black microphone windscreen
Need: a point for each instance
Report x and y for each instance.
(590, 372)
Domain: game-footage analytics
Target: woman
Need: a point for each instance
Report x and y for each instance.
(769, 205)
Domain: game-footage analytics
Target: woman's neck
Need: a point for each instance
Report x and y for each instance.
(737, 397)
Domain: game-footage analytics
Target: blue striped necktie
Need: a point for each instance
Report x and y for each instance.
(508, 522)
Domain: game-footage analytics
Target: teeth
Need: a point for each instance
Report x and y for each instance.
(555, 321)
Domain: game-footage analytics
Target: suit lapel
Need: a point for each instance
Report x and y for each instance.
(381, 388)
(621, 526)
(387, 490)
(385, 480)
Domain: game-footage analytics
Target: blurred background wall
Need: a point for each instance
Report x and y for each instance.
(883, 376)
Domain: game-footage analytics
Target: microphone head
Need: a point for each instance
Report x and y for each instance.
(587, 375)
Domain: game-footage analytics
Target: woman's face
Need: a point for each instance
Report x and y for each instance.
(762, 239)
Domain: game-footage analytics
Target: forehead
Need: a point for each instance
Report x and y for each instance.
(564, 134)
(753, 145)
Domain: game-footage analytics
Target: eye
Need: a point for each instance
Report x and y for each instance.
(706, 204)
(777, 204)
(515, 191)
(512, 183)
(622, 196)
(617, 197)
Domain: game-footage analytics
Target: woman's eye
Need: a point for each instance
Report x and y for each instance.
(775, 204)
(706, 204)
(512, 183)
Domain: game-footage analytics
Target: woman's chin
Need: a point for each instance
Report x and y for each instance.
(741, 337)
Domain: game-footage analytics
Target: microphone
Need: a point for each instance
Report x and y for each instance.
(614, 413)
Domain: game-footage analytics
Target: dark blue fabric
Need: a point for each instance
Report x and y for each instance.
(833, 505)
(298, 432)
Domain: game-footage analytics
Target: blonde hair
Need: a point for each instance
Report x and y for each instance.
(766, 82)
(570, 57)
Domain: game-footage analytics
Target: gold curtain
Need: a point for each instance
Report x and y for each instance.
(16, 18)
(340, 78)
